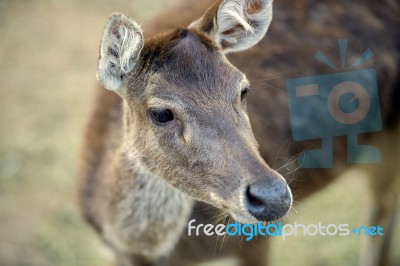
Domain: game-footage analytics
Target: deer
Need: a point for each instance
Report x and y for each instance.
(188, 123)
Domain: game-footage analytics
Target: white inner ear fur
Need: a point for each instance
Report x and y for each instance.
(232, 13)
(120, 47)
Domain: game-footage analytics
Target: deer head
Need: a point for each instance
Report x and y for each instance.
(185, 109)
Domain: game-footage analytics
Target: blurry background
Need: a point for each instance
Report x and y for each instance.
(48, 60)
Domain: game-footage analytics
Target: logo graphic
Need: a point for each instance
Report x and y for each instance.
(339, 104)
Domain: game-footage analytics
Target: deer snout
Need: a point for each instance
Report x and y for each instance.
(268, 201)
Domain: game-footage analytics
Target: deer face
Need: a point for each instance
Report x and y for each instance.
(186, 118)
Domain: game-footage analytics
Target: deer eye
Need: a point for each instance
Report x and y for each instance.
(161, 116)
(244, 92)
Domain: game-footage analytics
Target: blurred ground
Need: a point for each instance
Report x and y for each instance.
(48, 58)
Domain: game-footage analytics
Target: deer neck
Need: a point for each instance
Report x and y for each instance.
(147, 215)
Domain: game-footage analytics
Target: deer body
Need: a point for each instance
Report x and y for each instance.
(171, 136)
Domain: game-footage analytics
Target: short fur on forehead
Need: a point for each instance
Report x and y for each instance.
(195, 58)
(159, 49)
(186, 58)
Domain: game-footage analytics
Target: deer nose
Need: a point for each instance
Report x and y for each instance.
(268, 201)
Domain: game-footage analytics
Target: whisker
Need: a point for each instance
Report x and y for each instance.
(279, 151)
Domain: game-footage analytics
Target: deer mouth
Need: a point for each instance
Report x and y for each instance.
(246, 218)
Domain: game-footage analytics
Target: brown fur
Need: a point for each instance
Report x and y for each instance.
(287, 51)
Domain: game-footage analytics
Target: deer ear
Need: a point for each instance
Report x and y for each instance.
(120, 47)
(236, 25)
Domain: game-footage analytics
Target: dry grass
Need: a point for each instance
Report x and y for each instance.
(48, 56)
